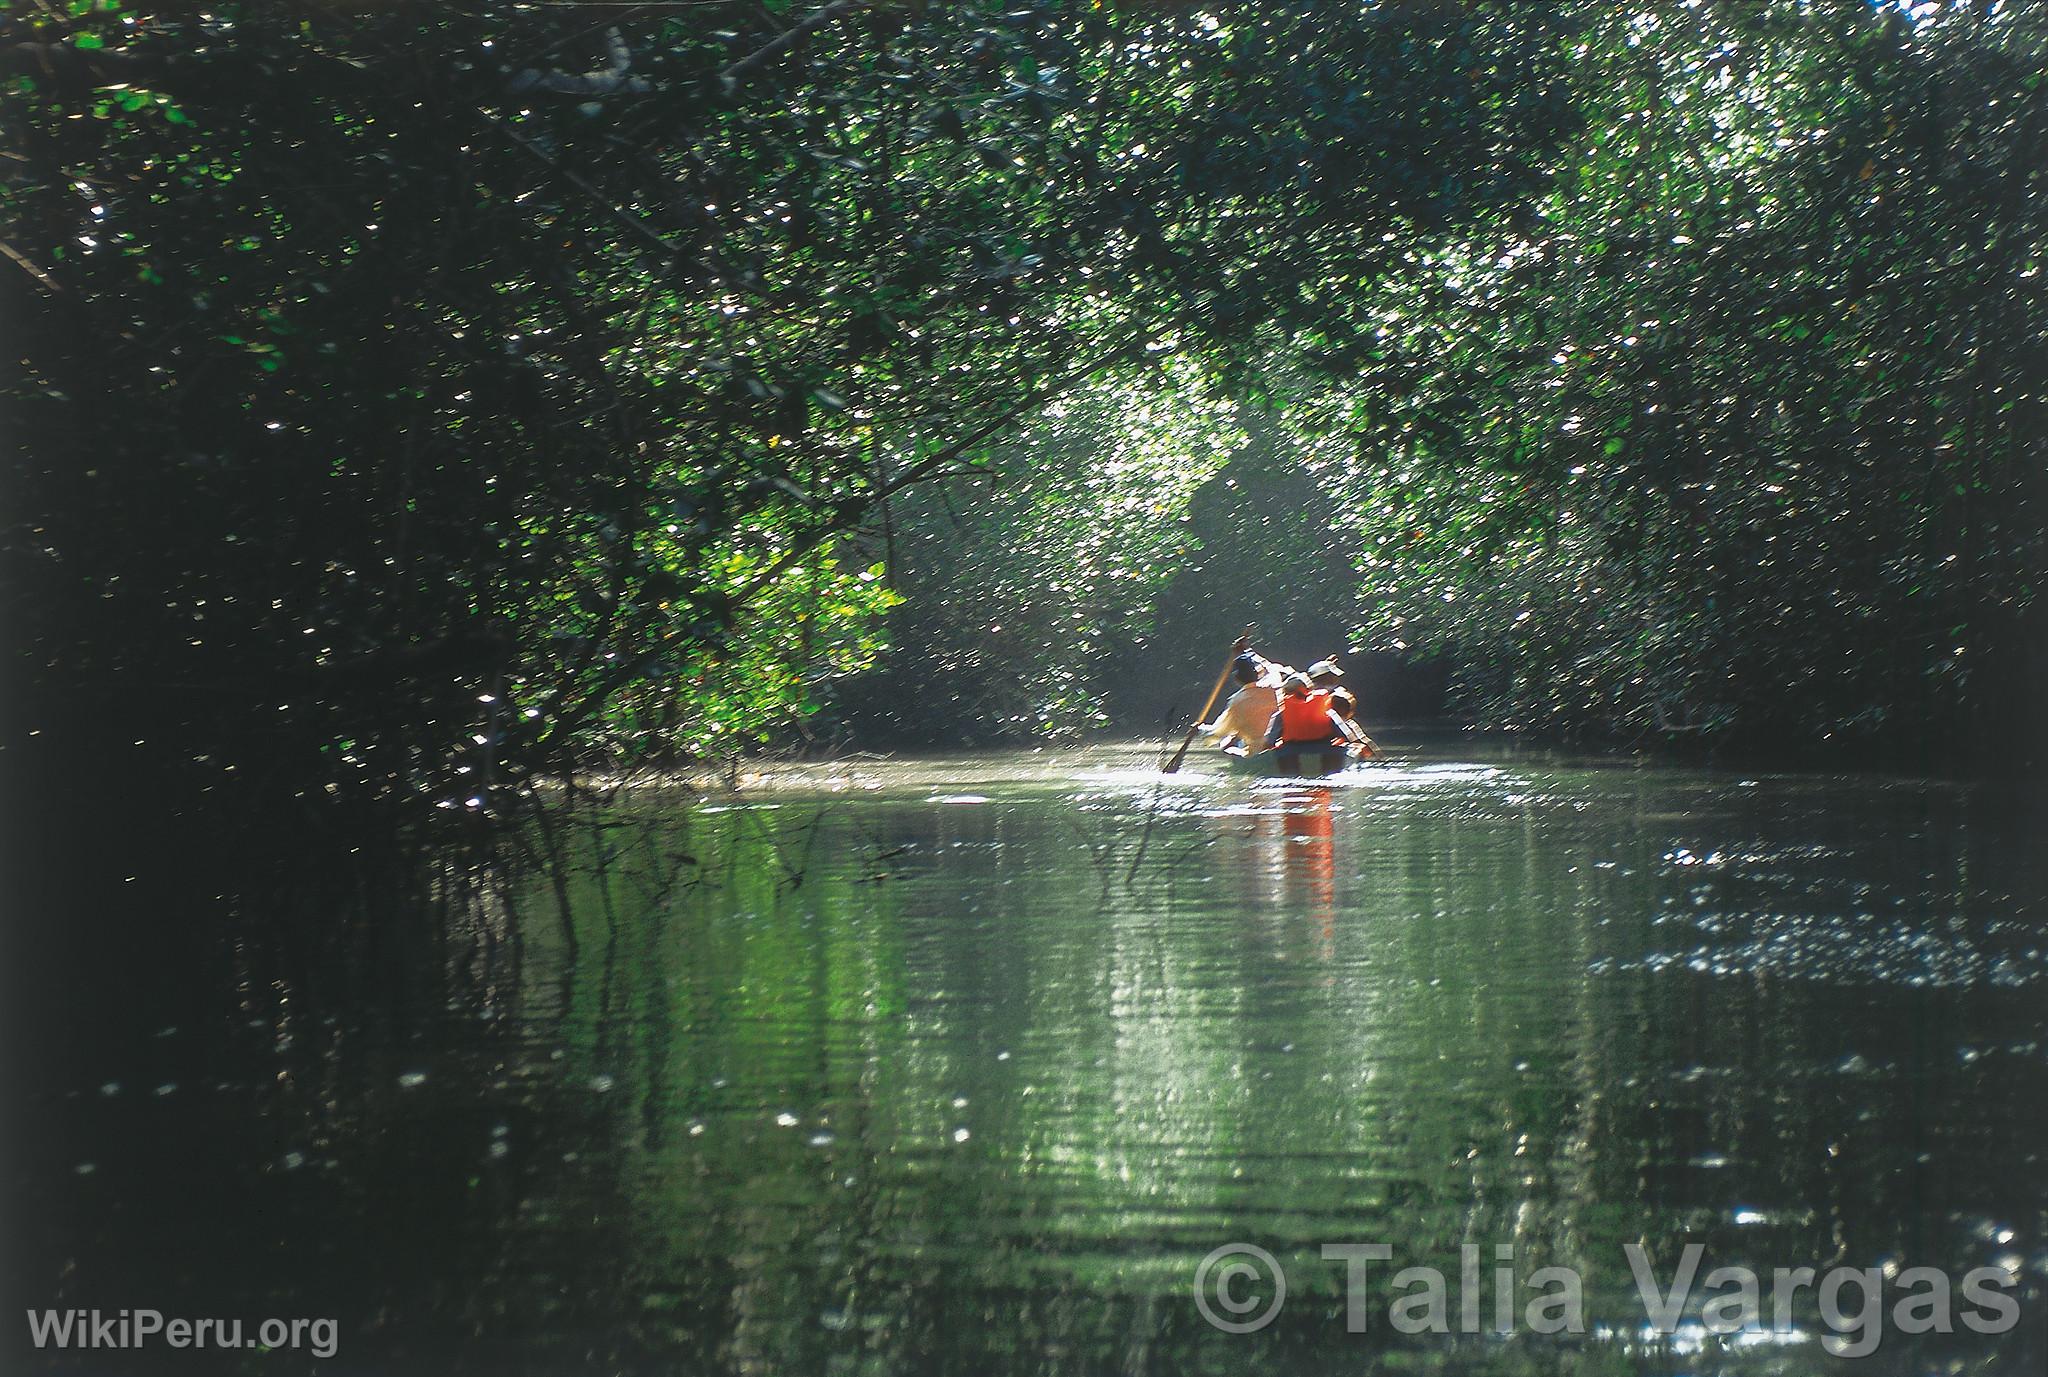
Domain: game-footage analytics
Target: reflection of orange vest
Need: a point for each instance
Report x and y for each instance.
(1306, 718)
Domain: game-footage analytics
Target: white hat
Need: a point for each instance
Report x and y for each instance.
(1325, 669)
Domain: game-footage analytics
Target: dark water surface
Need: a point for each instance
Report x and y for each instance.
(964, 1066)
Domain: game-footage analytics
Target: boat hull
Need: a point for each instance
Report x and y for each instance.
(1313, 763)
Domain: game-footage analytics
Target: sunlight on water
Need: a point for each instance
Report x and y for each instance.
(966, 1064)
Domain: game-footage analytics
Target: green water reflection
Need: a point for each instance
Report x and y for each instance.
(963, 1067)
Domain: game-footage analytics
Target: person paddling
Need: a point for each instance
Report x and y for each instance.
(1244, 717)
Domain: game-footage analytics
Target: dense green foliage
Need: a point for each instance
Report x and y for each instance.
(1744, 436)
(415, 398)
(1123, 546)
(1735, 435)
(1028, 588)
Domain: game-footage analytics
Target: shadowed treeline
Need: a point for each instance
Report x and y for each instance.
(1727, 439)
(417, 404)
(414, 403)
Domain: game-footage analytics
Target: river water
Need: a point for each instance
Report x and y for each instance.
(967, 1065)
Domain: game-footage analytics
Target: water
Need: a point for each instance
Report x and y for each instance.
(965, 1066)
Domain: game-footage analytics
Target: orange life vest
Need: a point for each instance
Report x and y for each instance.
(1306, 718)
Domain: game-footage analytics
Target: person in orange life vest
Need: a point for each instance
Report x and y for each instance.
(1304, 718)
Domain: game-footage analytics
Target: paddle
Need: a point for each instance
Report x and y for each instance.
(1244, 643)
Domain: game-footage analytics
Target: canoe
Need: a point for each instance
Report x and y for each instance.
(1310, 763)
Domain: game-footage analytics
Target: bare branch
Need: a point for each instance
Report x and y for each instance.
(731, 76)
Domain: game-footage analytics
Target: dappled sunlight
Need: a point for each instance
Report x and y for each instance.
(614, 608)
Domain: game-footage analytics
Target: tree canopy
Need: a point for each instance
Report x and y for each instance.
(1731, 434)
(413, 400)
